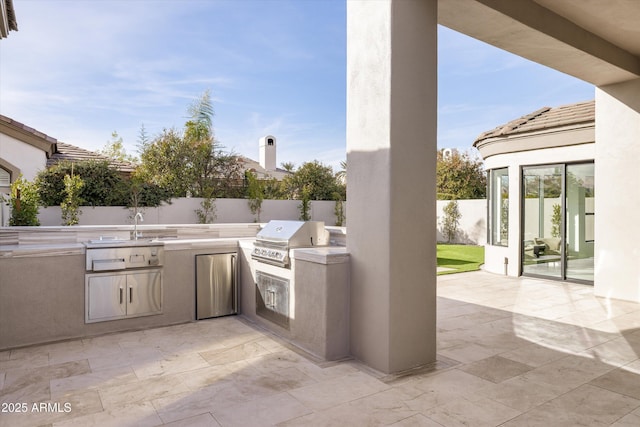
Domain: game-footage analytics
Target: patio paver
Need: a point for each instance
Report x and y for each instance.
(511, 352)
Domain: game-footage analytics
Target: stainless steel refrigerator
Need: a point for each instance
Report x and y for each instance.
(216, 285)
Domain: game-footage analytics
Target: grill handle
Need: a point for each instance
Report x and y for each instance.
(109, 264)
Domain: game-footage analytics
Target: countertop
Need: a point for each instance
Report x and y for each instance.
(58, 249)
(322, 255)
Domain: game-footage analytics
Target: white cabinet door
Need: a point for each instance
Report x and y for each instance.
(106, 297)
(144, 293)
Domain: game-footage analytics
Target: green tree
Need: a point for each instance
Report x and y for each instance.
(142, 193)
(143, 137)
(166, 161)
(24, 202)
(228, 175)
(460, 176)
(190, 162)
(313, 180)
(115, 150)
(341, 175)
(272, 189)
(288, 166)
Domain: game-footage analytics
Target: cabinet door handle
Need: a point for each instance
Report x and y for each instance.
(121, 295)
(271, 299)
(130, 295)
(234, 284)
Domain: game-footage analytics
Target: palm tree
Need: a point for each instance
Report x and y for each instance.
(288, 166)
(341, 175)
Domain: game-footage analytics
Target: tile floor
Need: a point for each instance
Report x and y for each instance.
(511, 352)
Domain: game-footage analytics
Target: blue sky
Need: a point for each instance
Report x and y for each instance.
(78, 70)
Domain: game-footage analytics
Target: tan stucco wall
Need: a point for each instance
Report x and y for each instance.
(391, 150)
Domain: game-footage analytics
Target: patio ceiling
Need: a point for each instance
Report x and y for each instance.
(596, 41)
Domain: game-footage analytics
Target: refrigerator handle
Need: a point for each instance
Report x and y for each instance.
(234, 284)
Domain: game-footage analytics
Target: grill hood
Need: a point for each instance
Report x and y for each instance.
(294, 234)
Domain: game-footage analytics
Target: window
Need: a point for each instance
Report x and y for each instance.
(5, 178)
(499, 207)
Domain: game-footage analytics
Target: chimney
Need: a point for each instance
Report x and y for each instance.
(268, 152)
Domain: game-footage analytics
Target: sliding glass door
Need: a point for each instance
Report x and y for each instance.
(557, 221)
(580, 220)
(542, 220)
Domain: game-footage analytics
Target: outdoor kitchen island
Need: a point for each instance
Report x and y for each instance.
(318, 303)
(42, 285)
(43, 273)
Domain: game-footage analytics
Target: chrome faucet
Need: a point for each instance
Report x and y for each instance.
(135, 224)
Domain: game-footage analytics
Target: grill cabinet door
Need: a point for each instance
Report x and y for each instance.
(144, 293)
(106, 295)
(272, 298)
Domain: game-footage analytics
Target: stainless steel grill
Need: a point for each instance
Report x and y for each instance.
(275, 240)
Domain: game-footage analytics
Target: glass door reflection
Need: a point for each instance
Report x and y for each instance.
(542, 221)
(580, 220)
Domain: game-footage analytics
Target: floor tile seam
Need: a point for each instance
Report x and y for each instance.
(590, 383)
(102, 390)
(226, 349)
(635, 361)
(601, 388)
(541, 405)
(311, 410)
(158, 412)
(512, 407)
(162, 374)
(140, 401)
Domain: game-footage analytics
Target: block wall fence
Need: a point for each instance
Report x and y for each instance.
(472, 229)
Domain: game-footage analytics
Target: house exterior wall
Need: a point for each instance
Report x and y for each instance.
(29, 159)
(617, 230)
(495, 256)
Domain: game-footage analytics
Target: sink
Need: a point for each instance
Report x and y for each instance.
(107, 241)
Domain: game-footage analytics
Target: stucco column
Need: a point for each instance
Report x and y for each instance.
(617, 201)
(391, 151)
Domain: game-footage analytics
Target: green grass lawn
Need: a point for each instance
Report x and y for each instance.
(460, 258)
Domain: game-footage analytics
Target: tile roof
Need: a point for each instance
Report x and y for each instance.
(24, 129)
(250, 164)
(8, 20)
(71, 153)
(543, 119)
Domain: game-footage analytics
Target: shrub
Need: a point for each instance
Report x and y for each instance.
(70, 206)
(451, 220)
(24, 203)
(103, 186)
(207, 215)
